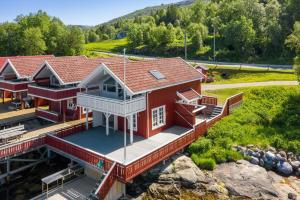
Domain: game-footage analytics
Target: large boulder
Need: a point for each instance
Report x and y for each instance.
(244, 179)
(295, 164)
(284, 168)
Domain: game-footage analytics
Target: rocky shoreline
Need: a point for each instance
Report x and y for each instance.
(285, 163)
(180, 178)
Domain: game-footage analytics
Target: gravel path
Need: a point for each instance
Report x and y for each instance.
(238, 85)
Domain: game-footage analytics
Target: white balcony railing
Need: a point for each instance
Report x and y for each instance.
(110, 105)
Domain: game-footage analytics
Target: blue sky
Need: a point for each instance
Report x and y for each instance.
(81, 12)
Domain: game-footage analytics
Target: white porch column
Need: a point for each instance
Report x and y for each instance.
(131, 129)
(107, 115)
(86, 118)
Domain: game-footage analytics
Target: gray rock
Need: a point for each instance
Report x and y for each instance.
(290, 155)
(270, 156)
(292, 196)
(272, 149)
(295, 164)
(254, 160)
(261, 162)
(279, 158)
(297, 172)
(282, 154)
(285, 168)
(241, 148)
(246, 180)
(250, 146)
(249, 152)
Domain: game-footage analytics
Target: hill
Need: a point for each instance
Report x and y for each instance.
(148, 10)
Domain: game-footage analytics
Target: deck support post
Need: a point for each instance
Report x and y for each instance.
(7, 170)
(86, 119)
(131, 129)
(107, 115)
(3, 96)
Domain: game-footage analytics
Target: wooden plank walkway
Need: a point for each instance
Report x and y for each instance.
(50, 128)
(7, 116)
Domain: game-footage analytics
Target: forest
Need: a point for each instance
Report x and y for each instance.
(242, 30)
(245, 30)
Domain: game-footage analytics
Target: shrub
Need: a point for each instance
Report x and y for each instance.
(224, 142)
(200, 146)
(278, 142)
(294, 146)
(232, 155)
(219, 155)
(206, 163)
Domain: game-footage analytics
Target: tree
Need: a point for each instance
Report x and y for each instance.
(293, 42)
(33, 42)
(240, 35)
(92, 36)
(74, 41)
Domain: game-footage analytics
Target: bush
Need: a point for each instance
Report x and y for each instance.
(206, 163)
(232, 155)
(219, 155)
(294, 146)
(224, 142)
(200, 146)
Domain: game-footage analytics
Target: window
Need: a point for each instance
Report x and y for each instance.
(70, 104)
(109, 85)
(54, 81)
(134, 122)
(158, 117)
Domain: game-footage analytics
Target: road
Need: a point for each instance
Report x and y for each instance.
(253, 84)
(227, 64)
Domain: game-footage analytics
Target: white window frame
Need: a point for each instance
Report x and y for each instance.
(70, 104)
(160, 117)
(135, 122)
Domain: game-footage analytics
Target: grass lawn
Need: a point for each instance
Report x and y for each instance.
(226, 75)
(268, 116)
(107, 45)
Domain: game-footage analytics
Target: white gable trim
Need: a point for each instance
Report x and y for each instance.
(97, 71)
(48, 66)
(8, 62)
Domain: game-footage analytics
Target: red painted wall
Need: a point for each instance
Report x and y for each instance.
(167, 97)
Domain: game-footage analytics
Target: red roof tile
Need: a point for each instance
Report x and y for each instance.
(27, 65)
(189, 94)
(138, 77)
(75, 68)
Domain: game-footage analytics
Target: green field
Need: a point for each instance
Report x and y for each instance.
(107, 45)
(225, 75)
(268, 116)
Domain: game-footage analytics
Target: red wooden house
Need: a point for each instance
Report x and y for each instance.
(16, 74)
(55, 84)
(160, 99)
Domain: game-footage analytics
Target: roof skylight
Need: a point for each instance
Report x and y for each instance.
(157, 74)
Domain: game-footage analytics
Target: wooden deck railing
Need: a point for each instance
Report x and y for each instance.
(84, 154)
(20, 147)
(48, 115)
(229, 103)
(209, 100)
(107, 182)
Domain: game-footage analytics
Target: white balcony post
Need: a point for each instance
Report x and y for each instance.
(86, 118)
(107, 115)
(131, 129)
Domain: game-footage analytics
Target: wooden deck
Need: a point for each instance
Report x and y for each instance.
(7, 116)
(78, 189)
(50, 128)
